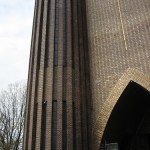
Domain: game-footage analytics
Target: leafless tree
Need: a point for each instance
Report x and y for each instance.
(12, 105)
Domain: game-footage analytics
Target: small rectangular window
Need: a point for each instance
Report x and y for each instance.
(54, 125)
(64, 126)
(43, 128)
(74, 126)
(34, 125)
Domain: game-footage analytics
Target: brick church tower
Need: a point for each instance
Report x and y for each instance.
(87, 58)
(56, 110)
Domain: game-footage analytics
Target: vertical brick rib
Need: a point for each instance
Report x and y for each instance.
(69, 98)
(86, 74)
(48, 79)
(34, 85)
(30, 78)
(49, 76)
(59, 84)
(82, 77)
(76, 91)
(45, 106)
(41, 74)
(31, 75)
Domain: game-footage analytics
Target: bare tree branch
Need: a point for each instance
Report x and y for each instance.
(12, 106)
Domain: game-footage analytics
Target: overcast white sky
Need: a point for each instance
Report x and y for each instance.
(16, 17)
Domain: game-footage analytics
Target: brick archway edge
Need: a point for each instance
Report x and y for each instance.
(130, 74)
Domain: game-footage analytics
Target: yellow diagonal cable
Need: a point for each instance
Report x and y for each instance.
(122, 25)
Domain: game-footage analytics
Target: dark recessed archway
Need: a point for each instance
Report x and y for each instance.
(129, 123)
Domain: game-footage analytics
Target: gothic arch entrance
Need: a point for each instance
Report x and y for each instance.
(128, 127)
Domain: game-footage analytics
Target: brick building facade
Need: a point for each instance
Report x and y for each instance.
(83, 55)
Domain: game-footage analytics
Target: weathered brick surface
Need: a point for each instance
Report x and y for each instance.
(69, 98)
(118, 39)
(41, 74)
(49, 78)
(56, 82)
(32, 77)
(118, 34)
(103, 116)
(76, 79)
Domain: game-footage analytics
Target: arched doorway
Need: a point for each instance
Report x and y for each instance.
(128, 127)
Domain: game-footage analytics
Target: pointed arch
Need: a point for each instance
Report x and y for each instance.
(100, 124)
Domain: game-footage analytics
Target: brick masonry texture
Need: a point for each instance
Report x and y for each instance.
(130, 74)
(118, 38)
(107, 45)
(48, 82)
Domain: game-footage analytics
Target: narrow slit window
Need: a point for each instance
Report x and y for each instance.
(54, 125)
(40, 37)
(64, 127)
(72, 33)
(43, 129)
(64, 33)
(74, 126)
(56, 33)
(34, 125)
(47, 48)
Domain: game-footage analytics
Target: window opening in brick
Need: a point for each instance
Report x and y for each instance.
(56, 33)
(47, 48)
(64, 33)
(74, 126)
(54, 125)
(64, 126)
(72, 34)
(40, 37)
(43, 128)
(34, 125)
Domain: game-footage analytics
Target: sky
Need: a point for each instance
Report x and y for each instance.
(16, 18)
